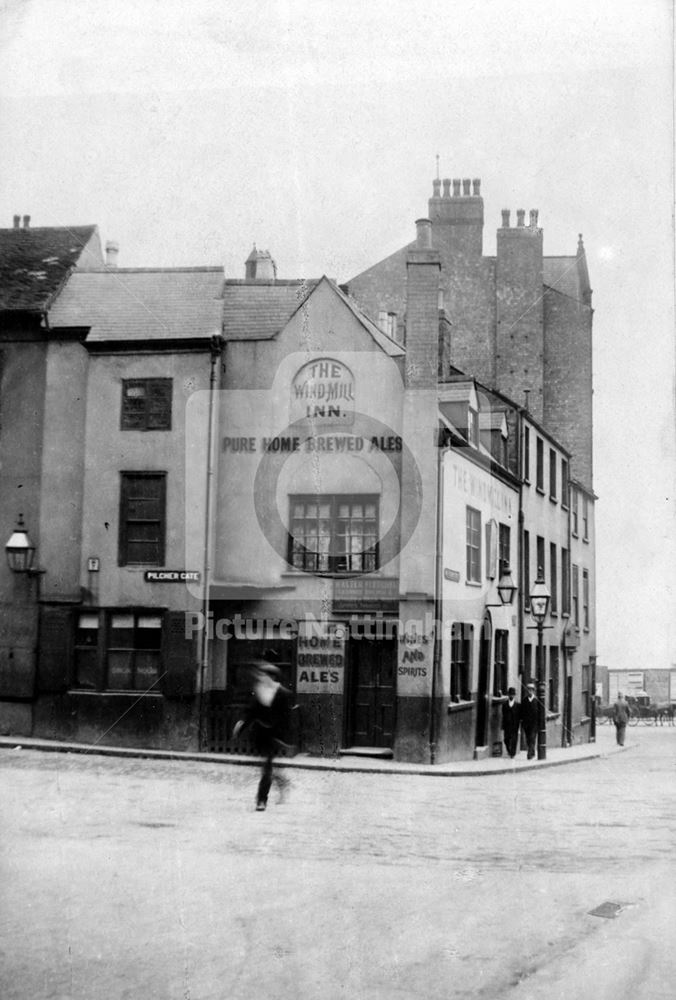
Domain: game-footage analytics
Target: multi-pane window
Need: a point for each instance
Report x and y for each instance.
(491, 548)
(473, 547)
(526, 454)
(553, 679)
(576, 595)
(501, 667)
(540, 465)
(553, 579)
(585, 518)
(574, 507)
(585, 702)
(334, 534)
(504, 544)
(564, 482)
(118, 650)
(585, 598)
(461, 661)
(565, 581)
(142, 519)
(552, 474)
(540, 557)
(146, 404)
(526, 568)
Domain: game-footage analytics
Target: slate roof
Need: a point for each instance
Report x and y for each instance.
(34, 263)
(142, 303)
(258, 310)
(561, 273)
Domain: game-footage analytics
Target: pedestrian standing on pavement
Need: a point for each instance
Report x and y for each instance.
(511, 716)
(529, 719)
(621, 713)
(269, 718)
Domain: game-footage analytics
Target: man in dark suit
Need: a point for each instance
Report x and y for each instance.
(511, 716)
(529, 719)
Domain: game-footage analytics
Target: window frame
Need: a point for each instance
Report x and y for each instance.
(526, 455)
(124, 520)
(101, 649)
(585, 599)
(500, 662)
(553, 680)
(585, 517)
(334, 557)
(129, 420)
(565, 581)
(526, 568)
(553, 580)
(575, 596)
(552, 475)
(472, 551)
(462, 642)
(564, 483)
(539, 465)
(504, 548)
(574, 511)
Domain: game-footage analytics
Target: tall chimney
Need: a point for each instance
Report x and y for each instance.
(26, 221)
(112, 250)
(17, 221)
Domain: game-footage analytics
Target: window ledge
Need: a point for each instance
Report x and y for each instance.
(540, 490)
(459, 706)
(114, 694)
(552, 716)
(585, 540)
(553, 499)
(474, 583)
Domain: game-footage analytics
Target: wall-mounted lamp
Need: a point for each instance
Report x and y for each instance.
(539, 606)
(20, 551)
(506, 589)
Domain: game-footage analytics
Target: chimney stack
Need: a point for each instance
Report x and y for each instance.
(466, 184)
(423, 233)
(447, 187)
(456, 187)
(26, 221)
(533, 218)
(17, 221)
(505, 218)
(520, 216)
(112, 250)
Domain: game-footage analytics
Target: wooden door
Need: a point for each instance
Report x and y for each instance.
(373, 686)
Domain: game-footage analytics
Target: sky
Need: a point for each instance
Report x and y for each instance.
(187, 132)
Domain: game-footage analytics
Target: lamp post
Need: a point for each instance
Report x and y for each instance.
(539, 605)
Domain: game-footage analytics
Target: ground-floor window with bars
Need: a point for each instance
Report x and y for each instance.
(334, 534)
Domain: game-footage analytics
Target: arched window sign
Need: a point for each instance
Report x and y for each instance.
(323, 392)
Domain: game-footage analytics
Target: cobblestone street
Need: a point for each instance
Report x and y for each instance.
(128, 878)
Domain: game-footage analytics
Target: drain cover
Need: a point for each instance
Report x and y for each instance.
(609, 910)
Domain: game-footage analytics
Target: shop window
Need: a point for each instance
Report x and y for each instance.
(473, 545)
(504, 547)
(585, 598)
(553, 679)
(540, 465)
(552, 474)
(576, 596)
(526, 454)
(334, 534)
(553, 580)
(118, 650)
(462, 636)
(501, 664)
(133, 651)
(146, 404)
(142, 519)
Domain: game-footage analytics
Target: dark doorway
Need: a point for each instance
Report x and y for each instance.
(373, 692)
(482, 685)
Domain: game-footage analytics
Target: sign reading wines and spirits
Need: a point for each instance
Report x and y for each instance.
(323, 389)
(320, 658)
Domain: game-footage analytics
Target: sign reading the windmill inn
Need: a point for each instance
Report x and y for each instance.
(323, 390)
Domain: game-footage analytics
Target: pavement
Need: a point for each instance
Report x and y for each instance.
(556, 757)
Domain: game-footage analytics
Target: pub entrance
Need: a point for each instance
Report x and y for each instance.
(372, 693)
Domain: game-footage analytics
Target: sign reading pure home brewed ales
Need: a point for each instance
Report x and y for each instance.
(320, 658)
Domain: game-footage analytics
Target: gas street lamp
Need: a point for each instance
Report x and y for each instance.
(20, 550)
(539, 606)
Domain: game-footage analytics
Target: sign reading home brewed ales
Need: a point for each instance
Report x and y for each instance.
(323, 390)
(320, 658)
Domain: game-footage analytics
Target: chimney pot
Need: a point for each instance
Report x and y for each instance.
(26, 221)
(436, 188)
(423, 233)
(476, 184)
(112, 250)
(447, 188)
(505, 218)
(520, 216)
(17, 221)
(456, 187)
(466, 184)
(533, 218)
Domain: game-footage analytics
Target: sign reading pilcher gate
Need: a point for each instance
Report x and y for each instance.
(323, 391)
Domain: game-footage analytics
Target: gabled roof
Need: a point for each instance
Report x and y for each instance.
(34, 263)
(561, 274)
(119, 304)
(258, 310)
